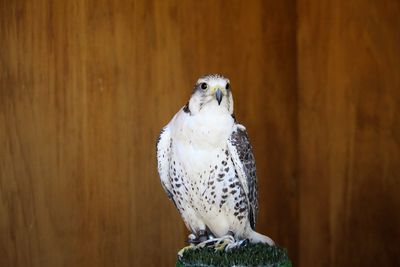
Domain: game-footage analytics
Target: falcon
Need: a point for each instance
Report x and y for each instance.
(207, 168)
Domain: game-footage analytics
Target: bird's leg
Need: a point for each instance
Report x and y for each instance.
(199, 237)
(192, 239)
(231, 233)
(202, 235)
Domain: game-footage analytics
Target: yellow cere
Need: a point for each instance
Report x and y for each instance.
(215, 88)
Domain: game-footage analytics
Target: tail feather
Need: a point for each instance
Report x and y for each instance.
(255, 237)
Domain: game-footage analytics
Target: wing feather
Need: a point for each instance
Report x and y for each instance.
(243, 158)
(163, 146)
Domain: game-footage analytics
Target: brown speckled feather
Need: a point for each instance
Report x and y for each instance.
(240, 141)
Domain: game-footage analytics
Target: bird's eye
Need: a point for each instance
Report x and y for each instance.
(227, 86)
(203, 86)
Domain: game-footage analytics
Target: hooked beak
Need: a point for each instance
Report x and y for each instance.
(218, 96)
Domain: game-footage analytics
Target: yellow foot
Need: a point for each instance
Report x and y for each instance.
(191, 246)
(218, 243)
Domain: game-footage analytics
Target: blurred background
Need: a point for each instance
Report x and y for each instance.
(85, 87)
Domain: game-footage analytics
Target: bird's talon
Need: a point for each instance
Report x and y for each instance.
(180, 253)
(244, 242)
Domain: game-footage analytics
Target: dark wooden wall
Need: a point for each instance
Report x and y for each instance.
(85, 86)
(349, 132)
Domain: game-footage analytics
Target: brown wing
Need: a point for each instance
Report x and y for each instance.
(243, 158)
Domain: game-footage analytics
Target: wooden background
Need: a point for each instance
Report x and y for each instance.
(85, 87)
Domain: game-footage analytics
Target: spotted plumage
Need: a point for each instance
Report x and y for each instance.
(206, 164)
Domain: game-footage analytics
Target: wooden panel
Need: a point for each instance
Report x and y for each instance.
(349, 142)
(85, 86)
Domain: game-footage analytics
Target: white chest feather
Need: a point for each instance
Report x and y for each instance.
(198, 139)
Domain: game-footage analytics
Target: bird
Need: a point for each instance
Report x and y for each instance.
(207, 167)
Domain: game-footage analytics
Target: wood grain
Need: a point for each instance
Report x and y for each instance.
(85, 86)
(349, 135)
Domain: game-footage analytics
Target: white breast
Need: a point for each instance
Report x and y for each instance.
(197, 139)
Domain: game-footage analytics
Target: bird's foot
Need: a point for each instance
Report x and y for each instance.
(201, 236)
(237, 244)
(226, 242)
(221, 243)
(180, 253)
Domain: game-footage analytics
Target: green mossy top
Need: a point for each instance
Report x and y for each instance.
(249, 255)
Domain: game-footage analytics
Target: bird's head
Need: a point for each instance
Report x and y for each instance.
(211, 90)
